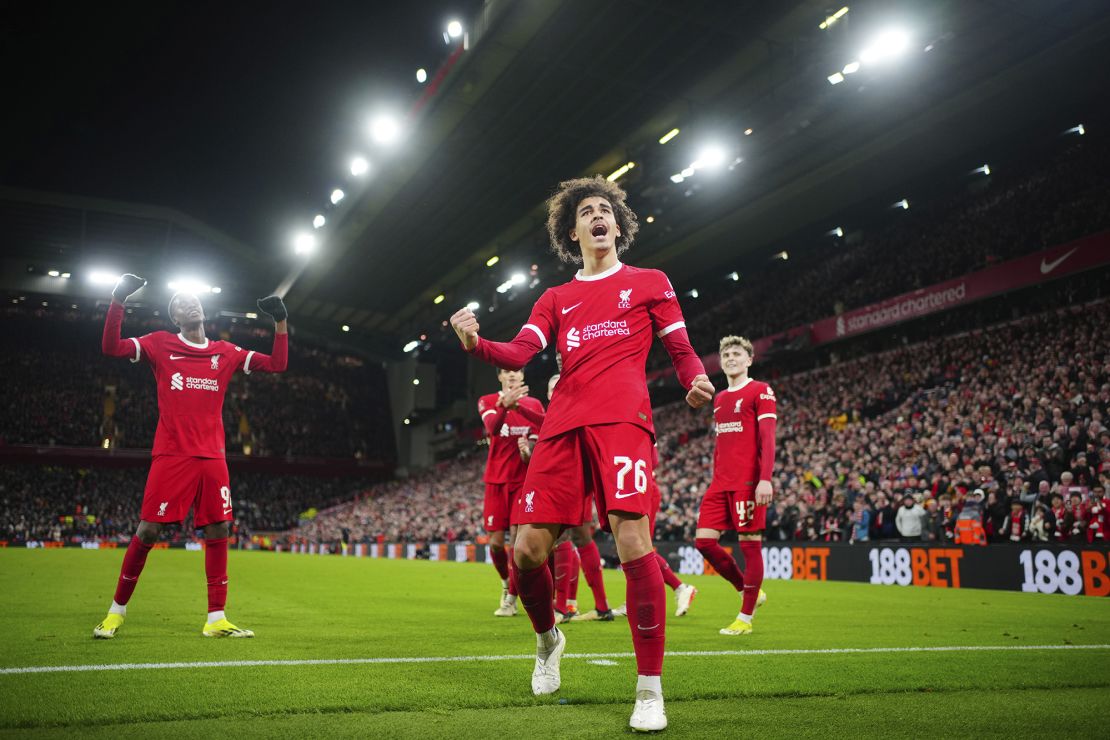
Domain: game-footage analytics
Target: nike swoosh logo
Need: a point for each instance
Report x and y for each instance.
(568, 309)
(1047, 267)
(647, 629)
(177, 357)
(625, 495)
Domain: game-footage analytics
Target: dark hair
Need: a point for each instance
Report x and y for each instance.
(561, 214)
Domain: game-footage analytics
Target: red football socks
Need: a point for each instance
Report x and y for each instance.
(512, 571)
(669, 577)
(591, 569)
(500, 561)
(563, 562)
(721, 561)
(572, 575)
(647, 613)
(753, 573)
(133, 563)
(535, 594)
(215, 568)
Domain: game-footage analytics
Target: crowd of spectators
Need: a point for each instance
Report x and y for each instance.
(1017, 213)
(1008, 424)
(75, 505)
(61, 391)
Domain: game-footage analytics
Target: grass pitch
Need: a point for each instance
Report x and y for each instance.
(311, 608)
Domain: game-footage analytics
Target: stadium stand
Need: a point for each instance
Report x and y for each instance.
(62, 391)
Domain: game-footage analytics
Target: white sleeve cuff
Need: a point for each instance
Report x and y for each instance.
(533, 327)
(487, 412)
(247, 363)
(761, 417)
(138, 350)
(672, 327)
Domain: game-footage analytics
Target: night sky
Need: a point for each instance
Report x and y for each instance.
(243, 115)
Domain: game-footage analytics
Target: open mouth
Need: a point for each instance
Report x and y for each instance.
(599, 230)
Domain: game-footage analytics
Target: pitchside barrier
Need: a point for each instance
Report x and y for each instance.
(1033, 568)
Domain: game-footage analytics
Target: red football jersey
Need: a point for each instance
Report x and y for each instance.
(603, 325)
(737, 411)
(504, 463)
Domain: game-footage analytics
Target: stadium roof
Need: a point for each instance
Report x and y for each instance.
(552, 90)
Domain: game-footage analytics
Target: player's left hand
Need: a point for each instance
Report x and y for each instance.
(763, 493)
(701, 392)
(274, 307)
(524, 447)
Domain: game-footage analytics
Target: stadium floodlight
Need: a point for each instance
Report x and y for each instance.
(828, 22)
(985, 170)
(439, 299)
(688, 172)
(318, 221)
(711, 156)
(416, 381)
(304, 244)
(677, 178)
(345, 328)
(385, 129)
(251, 315)
(694, 293)
(359, 166)
(668, 136)
(838, 231)
(492, 261)
(336, 196)
(454, 29)
(410, 346)
(889, 44)
(66, 276)
(783, 255)
(835, 78)
(734, 277)
(103, 277)
(473, 305)
(421, 75)
(407, 422)
(650, 219)
(748, 132)
(620, 171)
(1076, 130)
(54, 273)
(904, 204)
(189, 285)
(851, 68)
(517, 278)
(217, 289)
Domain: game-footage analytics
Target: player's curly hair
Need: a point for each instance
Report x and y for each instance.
(734, 341)
(561, 214)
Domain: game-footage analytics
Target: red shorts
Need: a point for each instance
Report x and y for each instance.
(735, 510)
(500, 498)
(177, 484)
(607, 464)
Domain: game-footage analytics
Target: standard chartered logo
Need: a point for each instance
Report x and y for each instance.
(575, 337)
(178, 382)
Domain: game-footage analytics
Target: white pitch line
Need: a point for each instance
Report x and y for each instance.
(496, 658)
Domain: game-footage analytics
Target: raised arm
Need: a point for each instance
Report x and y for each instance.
(278, 360)
(110, 343)
(509, 355)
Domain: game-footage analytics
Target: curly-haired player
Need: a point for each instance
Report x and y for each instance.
(596, 440)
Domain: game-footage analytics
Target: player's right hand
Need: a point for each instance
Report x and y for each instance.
(127, 286)
(465, 324)
(701, 392)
